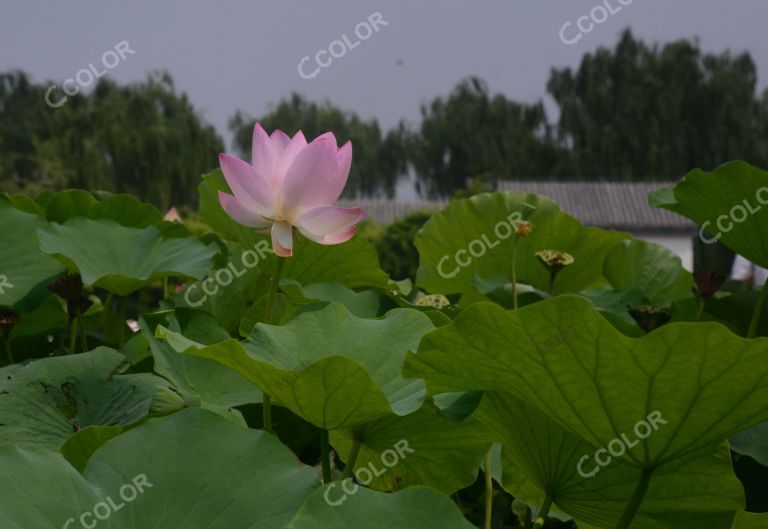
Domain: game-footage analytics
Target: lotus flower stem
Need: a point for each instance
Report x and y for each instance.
(488, 490)
(350, 468)
(543, 512)
(514, 275)
(325, 455)
(270, 309)
(266, 401)
(83, 337)
(266, 405)
(7, 346)
(121, 321)
(72, 336)
(700, 309)
(758, 311)
(635, 500)
(106, 309)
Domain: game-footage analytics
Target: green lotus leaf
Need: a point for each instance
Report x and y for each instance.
(126, 210)
(123, 260)
(366, 304)
(48, 318)
(730, 204)
(650, 269)
(480, 228)
(414, 507)
(46, 401)
(225, 292)
(198, 381)
(25, 271)
(354, 264)
(539, 457)
(751, 520)
(283, 310)
(423, 448)
(331, 379)
(696, 384)
(734, 310)
(79, 448)
(24, 203)
(40, 490)
(753, 443)
(192, 469)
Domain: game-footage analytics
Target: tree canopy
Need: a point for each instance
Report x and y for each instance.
(142, 138)
(648, 112)
(633, 112)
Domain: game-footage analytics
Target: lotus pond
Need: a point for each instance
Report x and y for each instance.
(256, 368)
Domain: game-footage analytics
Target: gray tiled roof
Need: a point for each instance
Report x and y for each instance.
(387, 211)
(608, 205)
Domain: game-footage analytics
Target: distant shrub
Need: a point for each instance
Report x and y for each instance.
(397, 253)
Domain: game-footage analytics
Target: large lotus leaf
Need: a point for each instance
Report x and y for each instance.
(123, 260)
(199, 381)
(480, 228)
(48, 318)
(24, 203)
(648, 268)
(753, 443)
(615, 306)
(751, 520)
(124, 209)
(414, 507)
(366, 304)
(30, 336)
(197, 325)
(24, 269)
(539, 457)
(696, 383)
(353, 264)
(423, 448)
(296, 297)
(41, 491)
(79, 448)
(734, 310)
(330, 367)
(192, 470)
(729, 203)
(225, 292)
(47, 400)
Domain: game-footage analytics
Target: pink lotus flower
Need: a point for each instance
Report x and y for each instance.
(291, 184)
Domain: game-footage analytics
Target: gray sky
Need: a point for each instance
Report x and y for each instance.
(240, 54)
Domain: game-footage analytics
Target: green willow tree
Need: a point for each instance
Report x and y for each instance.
(142, 138)
(471, 134)
(634, 112)
(379, 159)
(649, 112)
